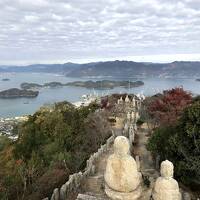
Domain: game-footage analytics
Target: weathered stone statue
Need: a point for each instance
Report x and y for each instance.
(120, 100)
(133, 101)
(137, 116)
(166, 188)
(126, 128)
(131, 135)
(127, 99)
(132, 115)
(122, 179)
(128, 116)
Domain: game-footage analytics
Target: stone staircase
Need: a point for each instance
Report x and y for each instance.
(93, 186)
(90, 197)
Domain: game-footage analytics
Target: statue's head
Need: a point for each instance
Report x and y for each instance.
(167, 169)
(121, 145)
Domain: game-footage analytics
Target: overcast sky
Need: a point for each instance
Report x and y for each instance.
(57, 31)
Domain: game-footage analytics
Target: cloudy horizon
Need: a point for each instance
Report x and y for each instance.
(59, 31)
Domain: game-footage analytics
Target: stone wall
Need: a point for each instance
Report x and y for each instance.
(75, 180)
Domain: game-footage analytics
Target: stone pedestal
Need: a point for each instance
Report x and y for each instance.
(114, 195)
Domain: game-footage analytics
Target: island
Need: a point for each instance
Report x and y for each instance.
(53, 85)
(198, 79)
(105, 84)
(30, 86)
(5, 79)
(17, 93)
(34, 86)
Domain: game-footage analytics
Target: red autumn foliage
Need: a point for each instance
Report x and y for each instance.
(167, 108)
(105, 103)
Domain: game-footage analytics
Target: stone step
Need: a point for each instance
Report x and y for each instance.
(87, 197)
(94, 184)
(98, 196)
(150, 172)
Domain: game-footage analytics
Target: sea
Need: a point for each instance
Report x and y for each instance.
(25, 106)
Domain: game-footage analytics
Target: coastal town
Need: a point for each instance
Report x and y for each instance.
(7, 125)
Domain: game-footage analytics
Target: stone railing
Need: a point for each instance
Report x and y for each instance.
(75, 180)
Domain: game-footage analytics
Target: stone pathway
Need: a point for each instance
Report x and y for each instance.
(146, 161)
(140, 149)
(93, 187)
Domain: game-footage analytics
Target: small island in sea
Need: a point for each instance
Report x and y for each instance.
(198, 79)
(104, 84)
(17, 93)
(33, 86)
(5, 79)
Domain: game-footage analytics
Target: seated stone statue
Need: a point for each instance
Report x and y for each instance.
(166, 188)
(119, 101)
(128, 116)
(132, 115)
(122, 180)
(127, 99)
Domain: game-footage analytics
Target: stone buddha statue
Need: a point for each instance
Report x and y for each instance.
(166, 187)
(128, 116)
(122, 179)
(132, 115)
(133, 101)
(120, 100)
(127, 99)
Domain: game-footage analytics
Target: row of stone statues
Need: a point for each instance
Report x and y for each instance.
(123, 181)
(132, 116)
(135, 101)
(127, 100)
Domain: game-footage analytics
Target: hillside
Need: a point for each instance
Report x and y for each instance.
(116, 68)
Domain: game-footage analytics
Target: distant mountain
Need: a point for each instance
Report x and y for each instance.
(42, 68)
(115, 69)
(135, 69)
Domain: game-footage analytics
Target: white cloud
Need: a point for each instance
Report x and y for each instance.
(35, 3)
(85, 29)
(31, 18)
(57, 17)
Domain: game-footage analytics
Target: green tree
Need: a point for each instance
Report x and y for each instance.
(181, 145)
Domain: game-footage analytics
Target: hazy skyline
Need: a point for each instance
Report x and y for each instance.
(57, 31)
